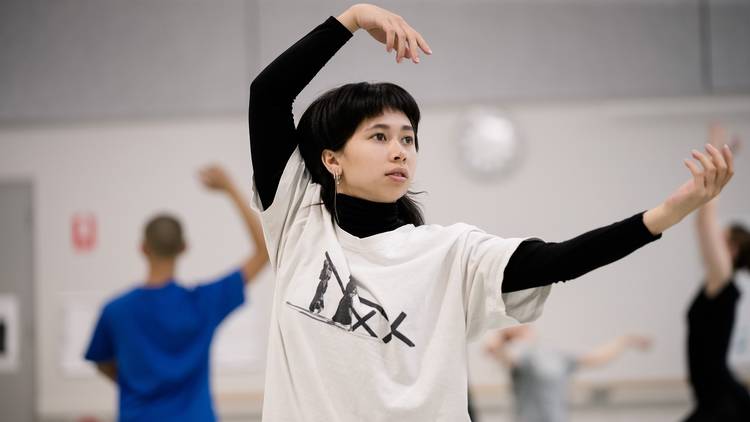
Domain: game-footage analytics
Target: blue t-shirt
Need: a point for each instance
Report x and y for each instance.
(160, 339)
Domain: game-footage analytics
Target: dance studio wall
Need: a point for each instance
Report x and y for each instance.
(585, 164)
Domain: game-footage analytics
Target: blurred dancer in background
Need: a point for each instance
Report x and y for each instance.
(725, 251)
(541, 375)
(154, 341)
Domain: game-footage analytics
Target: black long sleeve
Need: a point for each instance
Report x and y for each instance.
(273, 135)
(536, 263)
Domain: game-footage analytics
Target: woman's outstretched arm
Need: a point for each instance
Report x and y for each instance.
(273, 136)
(709, 178)
(537, 263)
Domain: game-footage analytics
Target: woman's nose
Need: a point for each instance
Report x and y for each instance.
(398, 153)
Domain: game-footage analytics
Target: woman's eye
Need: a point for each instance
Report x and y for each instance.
(379, 136)
(408, 140)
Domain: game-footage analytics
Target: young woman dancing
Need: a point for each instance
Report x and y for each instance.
(717, 393)
(372, 307)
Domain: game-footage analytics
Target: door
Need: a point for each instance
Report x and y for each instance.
(17, 353)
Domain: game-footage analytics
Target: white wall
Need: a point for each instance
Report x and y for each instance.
(586, 164)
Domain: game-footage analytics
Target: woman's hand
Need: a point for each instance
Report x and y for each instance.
(709, 178)
(714, 170)
(387, 28)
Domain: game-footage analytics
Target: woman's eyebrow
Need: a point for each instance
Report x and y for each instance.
(387, 127)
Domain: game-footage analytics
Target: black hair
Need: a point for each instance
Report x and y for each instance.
(334, 117)
(739, 238)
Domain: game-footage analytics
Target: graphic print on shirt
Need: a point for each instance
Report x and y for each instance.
(348, 310)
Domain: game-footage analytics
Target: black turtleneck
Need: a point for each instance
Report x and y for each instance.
(273, 138)
(363, 218)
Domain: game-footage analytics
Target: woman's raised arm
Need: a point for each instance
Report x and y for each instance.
(273, 136)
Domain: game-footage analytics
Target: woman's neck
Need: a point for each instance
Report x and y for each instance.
(363, 218)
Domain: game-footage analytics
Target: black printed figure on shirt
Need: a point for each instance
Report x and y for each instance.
(344, 312)
(317, 303)
(354, 312)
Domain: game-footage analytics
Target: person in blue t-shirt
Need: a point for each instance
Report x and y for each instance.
(154, 341)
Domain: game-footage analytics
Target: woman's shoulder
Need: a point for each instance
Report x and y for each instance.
(449, 229)
(435, 232)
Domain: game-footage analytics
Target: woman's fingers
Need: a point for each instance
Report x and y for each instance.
(709, 170)
(719, 163)
(698, 176)
(388, 28)
(412, 42)
(409, 52)
(423, 44)
(401, 44)
(722, 157)
(390, 39)
(726, 151)
(404, 39)
(715, 170)
(413, 52)
(416, 43)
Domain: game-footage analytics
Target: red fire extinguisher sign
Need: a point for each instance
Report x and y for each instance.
(83, 231)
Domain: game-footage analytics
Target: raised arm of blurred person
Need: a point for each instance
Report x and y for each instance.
(215, 178)
(498, 345)
(717, 258)
(611, 350)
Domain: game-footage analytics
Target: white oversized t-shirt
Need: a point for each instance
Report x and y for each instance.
(375, 329)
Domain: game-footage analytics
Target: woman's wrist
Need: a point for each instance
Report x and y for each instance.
(660, 218)
(349, 19)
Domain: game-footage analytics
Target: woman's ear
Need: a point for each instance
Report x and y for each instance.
(331, 161)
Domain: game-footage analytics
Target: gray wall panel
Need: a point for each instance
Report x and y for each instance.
(87, 60)
(90, 59)
(730, 46)
(513, 50)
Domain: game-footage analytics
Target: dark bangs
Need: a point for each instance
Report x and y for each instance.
(357, 102)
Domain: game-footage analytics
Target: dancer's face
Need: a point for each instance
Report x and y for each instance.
(379, 161)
